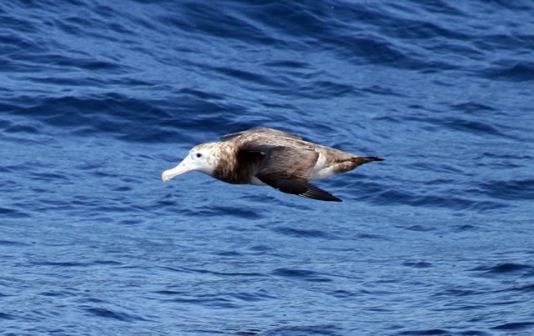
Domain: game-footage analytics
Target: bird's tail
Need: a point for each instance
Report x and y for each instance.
(359, 160)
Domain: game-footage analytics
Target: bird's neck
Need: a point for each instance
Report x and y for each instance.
(224, 160)
(232, 166)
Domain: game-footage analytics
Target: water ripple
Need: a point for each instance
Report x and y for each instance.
(517, 326)
(292, 232)
(113, 314)
(506, 269)
(300, 274)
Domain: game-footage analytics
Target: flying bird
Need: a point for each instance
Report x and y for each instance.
(266, 156)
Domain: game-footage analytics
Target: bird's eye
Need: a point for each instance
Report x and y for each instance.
(199, 155)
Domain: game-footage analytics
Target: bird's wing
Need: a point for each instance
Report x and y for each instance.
(262, 130)
(287, 169)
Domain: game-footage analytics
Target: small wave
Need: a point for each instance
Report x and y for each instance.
(473, 332)
(12, 243)
(198, 18)
(427, 332)
(22, 129)
(509, 190)
(5, 316)
(250, 332)
(391, 196)
(455, 292)
(113, 314)
(291, 64)
(517, 71)
(464, 227)
(526, 288)
(473, 107)
(13, 213)
(342, 293)
(515, 326)
(385, 91)
(208, 301)
(170, 292)
(462, 124)
(506, 269)
(420, 228)
(513, 5)
(293, 232)
(324, 89)
(257, 296)
(247, 76)
(228, 254)
(417, 264)
(205, 271)
(300, 274)
(472, 126)
(323, 330)
(216, 211)
(262, 249)
(75, 264)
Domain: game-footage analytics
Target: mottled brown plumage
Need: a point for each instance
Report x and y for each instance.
(236, 166)
(266, 156)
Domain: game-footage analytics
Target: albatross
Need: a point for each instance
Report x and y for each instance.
(266, 156)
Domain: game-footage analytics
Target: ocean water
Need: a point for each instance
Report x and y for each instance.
(98, 97)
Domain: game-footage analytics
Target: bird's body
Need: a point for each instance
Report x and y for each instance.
(265, 156)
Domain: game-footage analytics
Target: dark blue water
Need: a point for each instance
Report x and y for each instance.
(98, 97)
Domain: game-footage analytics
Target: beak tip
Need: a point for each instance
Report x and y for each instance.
(163, 178)
(171, 173)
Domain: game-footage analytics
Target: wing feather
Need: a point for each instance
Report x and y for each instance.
(287, 169)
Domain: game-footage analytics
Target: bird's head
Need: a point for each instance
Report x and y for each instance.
(202, 158)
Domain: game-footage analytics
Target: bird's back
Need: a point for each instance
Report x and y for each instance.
(328, 161)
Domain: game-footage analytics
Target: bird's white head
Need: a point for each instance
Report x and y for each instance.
(202, 158)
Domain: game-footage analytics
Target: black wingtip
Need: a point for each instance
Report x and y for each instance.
(336, 199)
(319, 194)
(331, 198)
